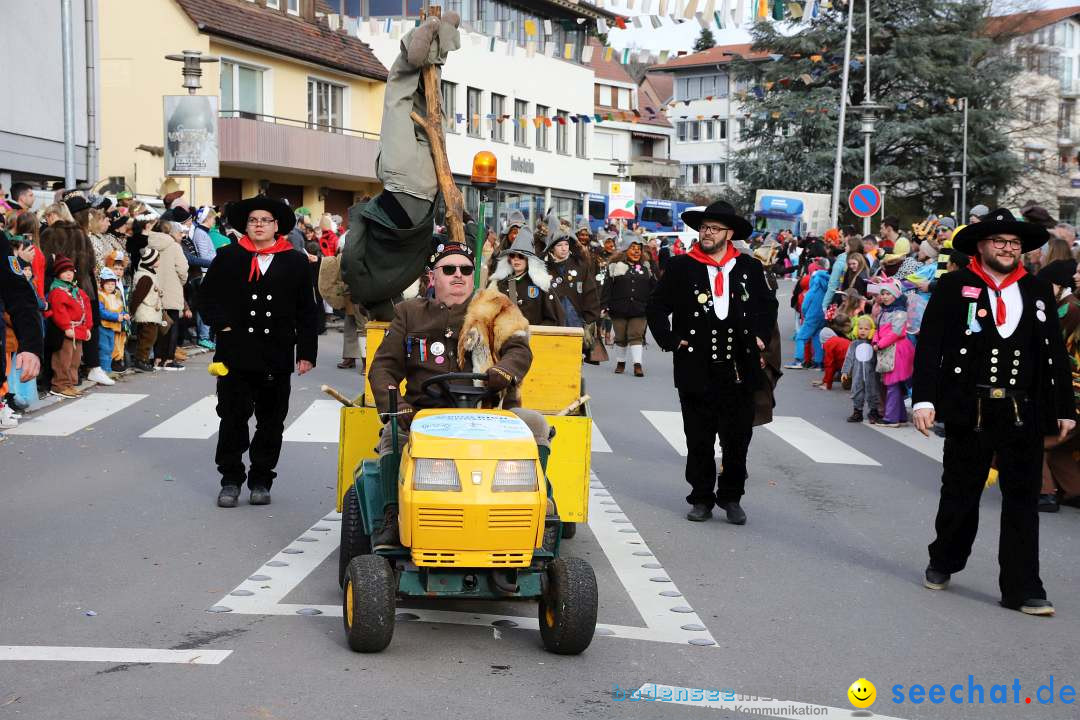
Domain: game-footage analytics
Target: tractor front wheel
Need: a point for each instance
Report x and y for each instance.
(568, 608)
(369, 604)
(354, 541)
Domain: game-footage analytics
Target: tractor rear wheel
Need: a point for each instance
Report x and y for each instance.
(568, 608)
(569, 530)
(354, 541)
(369, 604)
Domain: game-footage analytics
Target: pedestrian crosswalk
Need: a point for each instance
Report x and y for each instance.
(318, 421)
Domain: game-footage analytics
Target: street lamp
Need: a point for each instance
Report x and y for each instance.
(192, 72)
(867, 108)
(956, 177)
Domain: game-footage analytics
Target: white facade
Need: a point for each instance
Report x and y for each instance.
(32, 113)
(707, 131)
(537, 169)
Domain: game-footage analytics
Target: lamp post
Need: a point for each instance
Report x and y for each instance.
(964, 168)
(956, 177)
(867, 109)
(192, 73)
(839, 165)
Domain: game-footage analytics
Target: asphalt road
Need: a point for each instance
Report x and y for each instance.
(113, 540)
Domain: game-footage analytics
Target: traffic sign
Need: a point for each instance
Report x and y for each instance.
(864, 200)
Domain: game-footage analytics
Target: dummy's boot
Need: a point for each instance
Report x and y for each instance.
(429, 43)
(388, 537)
(635, 356)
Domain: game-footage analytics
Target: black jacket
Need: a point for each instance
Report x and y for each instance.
(271, 321)
(627, 288)
(752, 312)
(18, 299)
(946, 364)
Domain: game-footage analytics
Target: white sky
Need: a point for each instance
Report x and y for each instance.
(681, 36)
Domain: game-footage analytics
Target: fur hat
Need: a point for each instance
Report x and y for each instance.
(61, 265)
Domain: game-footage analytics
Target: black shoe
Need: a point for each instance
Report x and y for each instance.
(1049, 503)
(228, 496)
(259, 496)
(935, 579)
(855, 417)
(735, 514)
(699, 513)
(142, 366)
(388, 537)
(1037, 606)
(939, 429)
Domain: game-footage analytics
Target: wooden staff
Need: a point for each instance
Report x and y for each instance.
(574, 405)
(433, 126)
(338, 396)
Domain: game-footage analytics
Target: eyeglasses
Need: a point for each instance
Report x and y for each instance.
(713, 229)
(1001, 243)
(261, 221)
(449, 270)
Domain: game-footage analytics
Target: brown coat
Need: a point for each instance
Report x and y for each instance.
(575, 280)
(422, 326)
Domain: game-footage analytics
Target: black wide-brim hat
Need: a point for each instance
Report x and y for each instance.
(238, 213)
(997, 222)
(722, 212)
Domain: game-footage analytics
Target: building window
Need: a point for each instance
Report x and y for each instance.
(241, 89)
(562, 133)
(542, 128)
(394, 8)
(580, 137)
(708, 85)
(695, 131)
(449, 106)
(721, 129)
(472, 106)
(742, 130)
(293, 8)
(720, 173)
(273, 4)
(1034, 111)
(521, 115)
(605, 96)
(325, 105)
(498, 109)
(603, 146)
(680, 129)
(623, 101)
(1033, 159)
(708, 129)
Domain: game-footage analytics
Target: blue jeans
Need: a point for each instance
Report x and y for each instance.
(202, 328)
(106, 339)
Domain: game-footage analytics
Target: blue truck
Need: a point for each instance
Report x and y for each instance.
(661, 215)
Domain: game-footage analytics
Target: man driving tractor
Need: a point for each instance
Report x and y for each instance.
(424, 341)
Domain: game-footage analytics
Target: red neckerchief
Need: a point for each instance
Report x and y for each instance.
(280, 246)
(976, 267)
(701, 257)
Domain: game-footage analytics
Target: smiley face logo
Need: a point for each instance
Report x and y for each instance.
(862, 693)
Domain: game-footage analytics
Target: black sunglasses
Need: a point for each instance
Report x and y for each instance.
(449, 270)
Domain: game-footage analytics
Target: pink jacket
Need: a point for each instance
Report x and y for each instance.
(892, 330)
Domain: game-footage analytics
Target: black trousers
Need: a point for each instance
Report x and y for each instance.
(165, 347)
(241, 394)
(723, 409)
(967, 459)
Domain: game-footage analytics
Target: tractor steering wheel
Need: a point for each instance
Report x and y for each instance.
(459, 396)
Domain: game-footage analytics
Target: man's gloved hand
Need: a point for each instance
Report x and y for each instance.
(498, 379)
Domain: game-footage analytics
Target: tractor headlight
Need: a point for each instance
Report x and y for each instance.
(515, 476)
(435, 474)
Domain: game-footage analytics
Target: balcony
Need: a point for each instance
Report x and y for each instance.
(654, 167)
(1068, 135)
(1070, 89)
(267, 142)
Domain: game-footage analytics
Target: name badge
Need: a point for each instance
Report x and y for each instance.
(972, 292)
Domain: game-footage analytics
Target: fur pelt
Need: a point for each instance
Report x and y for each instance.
(537, 271)
(490, 321)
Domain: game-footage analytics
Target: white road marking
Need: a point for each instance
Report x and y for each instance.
(780, 708)
(662, 623)
(71, 416)
(932, 447)
(112, 655)
(815, 443)
(599, 442)
(669, 424)
(320, 423)
(198, 421)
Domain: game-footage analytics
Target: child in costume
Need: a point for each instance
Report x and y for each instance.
(71, 316)
(860, 368)
(835, 347)
(896, 354)
(113, 316)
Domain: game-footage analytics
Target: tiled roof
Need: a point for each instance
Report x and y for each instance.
(607, 69)
(712, 56)
(257, 27)
(660, 86)
(1026, 22)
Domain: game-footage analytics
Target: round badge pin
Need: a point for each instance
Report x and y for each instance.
(437, 348)
(439, 359)
(702, 298)
(981, 313)
(1040, 305)
(1041, 315)
(573, 273)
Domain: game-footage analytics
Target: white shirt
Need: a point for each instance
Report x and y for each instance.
(721, 303)
(264, 262)
(1014, 307)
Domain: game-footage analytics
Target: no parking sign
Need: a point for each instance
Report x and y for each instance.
(864, 200)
